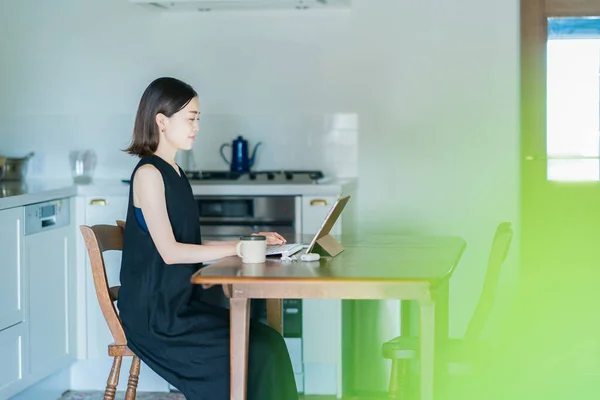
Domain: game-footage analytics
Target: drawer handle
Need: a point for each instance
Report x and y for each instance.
(318, 202)
(98, 202)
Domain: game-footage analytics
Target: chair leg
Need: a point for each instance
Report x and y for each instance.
(134, 373)
(398, 380)
(113, 379)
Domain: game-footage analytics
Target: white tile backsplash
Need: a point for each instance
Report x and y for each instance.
(287, 142)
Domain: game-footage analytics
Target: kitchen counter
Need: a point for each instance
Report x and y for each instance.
(15, 194)
(331, 187)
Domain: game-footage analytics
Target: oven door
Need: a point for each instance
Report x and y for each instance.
(229, 217)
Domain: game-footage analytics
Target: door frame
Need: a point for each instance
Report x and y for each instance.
(533, 37)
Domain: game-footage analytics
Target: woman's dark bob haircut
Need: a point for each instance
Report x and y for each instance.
(163, 96)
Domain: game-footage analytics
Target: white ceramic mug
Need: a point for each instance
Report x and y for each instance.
(252, 249)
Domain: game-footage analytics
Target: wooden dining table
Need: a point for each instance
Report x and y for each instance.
(370, 267)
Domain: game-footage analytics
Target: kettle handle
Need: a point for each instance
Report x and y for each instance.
(223, 155)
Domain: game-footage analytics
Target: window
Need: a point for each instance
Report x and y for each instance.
(573, 99)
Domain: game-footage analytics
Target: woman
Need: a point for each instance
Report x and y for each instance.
(167, 323)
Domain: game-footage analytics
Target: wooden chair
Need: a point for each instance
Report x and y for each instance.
(402, 350)
(98, 239)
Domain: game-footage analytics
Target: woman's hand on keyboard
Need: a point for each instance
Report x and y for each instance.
(272, 237)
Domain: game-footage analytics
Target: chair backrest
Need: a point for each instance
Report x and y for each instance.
(500, 246)
(98, 239)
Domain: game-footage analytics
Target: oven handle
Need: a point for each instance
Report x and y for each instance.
(214, 222)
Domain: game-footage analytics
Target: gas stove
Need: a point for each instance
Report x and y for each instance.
(255, 177)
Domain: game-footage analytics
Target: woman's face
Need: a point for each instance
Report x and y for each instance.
(180, 129)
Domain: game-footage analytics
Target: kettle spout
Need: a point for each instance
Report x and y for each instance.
(253, 156)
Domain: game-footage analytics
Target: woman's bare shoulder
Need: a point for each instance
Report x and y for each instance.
(147, 181)
(147, 172)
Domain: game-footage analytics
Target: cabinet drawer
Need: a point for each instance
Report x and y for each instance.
(11, 285)
(105, 209)
(11, 357)
(314, 211)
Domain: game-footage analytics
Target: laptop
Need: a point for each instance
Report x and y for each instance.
(322, 234)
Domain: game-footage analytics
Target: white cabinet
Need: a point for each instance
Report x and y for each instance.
(13, 359)
(36, 294)
(48, 259)
(321, 337)
(51, 299)
(13, 340)
(314, 211)
(11, 279)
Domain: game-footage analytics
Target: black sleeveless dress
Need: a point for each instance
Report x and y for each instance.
(168, 325)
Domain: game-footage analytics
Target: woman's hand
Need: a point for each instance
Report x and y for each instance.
(272, 237)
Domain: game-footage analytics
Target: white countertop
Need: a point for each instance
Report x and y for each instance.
(16, 194)
(37, 191)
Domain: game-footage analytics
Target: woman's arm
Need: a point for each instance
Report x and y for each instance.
(272, 238)
(217, 243)
(149, 195)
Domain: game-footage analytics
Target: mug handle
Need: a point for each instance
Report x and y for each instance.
(238, 249)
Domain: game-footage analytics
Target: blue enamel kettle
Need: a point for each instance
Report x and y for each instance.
(241, 160)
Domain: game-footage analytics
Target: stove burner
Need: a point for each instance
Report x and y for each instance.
(282, 176)
(213, 175)
(292, 174)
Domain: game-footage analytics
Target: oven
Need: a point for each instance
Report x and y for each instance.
(228, 218)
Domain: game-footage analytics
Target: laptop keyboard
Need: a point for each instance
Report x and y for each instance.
(280, 249)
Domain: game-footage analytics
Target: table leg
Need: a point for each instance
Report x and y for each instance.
(427, 333)
(441, 298)
(240, 323)
(405, 318)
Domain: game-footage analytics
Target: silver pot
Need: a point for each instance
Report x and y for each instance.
(14, 168)
(12, 188)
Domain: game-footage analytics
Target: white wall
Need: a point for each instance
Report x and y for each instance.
(433, 85)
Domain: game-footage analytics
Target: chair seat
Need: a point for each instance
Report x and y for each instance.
(122, 350)
(400, 348)
(408, 347)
